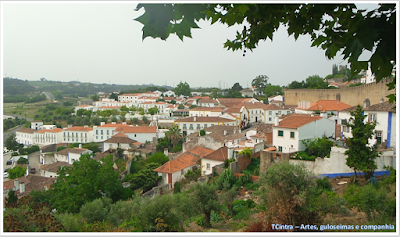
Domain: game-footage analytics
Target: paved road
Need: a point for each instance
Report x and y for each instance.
(5, 166)
(8, 133)
(19, 116)
(34, 162)
(49, 95)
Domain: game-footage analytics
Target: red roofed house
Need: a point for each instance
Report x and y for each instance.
(120, 140)
(174, 170)
(289, 133)
(48, 136)
(327, 106)
(25, 136)
(69, 155)
(105, 131)
(138, 133)
(78, 134)
(194, 124)
(215, 158)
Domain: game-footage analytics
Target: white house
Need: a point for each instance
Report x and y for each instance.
(141, 134)
(215, 158)
(36, 125)
(194, 124)
(48, 136)
(276, 99)
(169, 93)
(175, 170)
(206, 111)
(272, 110)
(78, 134)
(328, 106)
(207, 102)
(122, 141)
(384, 114)
(105, 131)
(289, 133)
(70, 155)
(50, 170)
(247, 92)
(25, 136)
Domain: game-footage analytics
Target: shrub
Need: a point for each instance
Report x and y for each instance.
(318, 147)
(22, 160)
(96, 210)
(226, 180)
(323, 184)
(200, 221)
(69, 221)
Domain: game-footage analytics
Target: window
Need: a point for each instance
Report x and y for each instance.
(205, 125)
(135, 135)
(97, 137)
(378, 136)
(279, 112)
(280, 133)
(101, 137)
(76, 134)
(270, 119)
(97, 132)
(108, 132)
(346, 129)
(101, 132)
(270, 112)
(182, 172)
(190, 126)
(184, 126)
(208, 166)
(291, 134)
(198, 126)
(279, 148)
(371, 118)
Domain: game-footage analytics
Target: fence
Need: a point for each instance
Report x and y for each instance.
(156, 191)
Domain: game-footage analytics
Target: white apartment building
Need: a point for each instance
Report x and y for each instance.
(105, 131)
(78, 134)
(48, 136)
(190, 125)
(25, 136)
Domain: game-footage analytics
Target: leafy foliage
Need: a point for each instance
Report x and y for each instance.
(29, 150)
(145, 178)
(226, 180)
(159, 158)
(16, 172)
(360, 156)
(319, 147)
(183, 89)
(85, 181)
(22, 160)
(260, 82)
(333, 27)
(205, 199)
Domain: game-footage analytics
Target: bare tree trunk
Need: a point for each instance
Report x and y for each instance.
(207, 218)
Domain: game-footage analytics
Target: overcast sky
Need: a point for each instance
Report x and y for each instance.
(99, 42)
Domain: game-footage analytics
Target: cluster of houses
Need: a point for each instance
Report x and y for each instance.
(230, 125)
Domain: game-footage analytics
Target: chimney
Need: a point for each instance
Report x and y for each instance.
(85, 126)
(80, 146)
(102, 123)
(230, 152)
(308, 104)
(276, 121)
(69, 125)
(16, 184)
(304, 104)
(299, 104)
(113, 123)
(166, 152)
(22, 187)
(225, 132)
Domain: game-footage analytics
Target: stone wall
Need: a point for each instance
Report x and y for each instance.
(243, 162)
(203, 141)
(218, 169)
(351, 95)
(156, 191)
(336, 164)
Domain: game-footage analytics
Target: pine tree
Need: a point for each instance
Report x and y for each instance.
(11, 199)
(360, 156)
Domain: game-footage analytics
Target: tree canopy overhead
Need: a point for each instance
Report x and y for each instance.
(333, 27)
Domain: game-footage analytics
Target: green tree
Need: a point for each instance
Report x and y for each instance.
(80, 112)
(145, 178)
(159, 158)
(11, 143)
(95, 97)
(95, 147)
(260, 82)
(181, 106)
(333, 27)
(16, 172)
(153, 110)
(145, 119)
(84, 182)
(174, 135)
(237, 87)
(205, 199)
(11, 199)
(227, 198)
(183, 89)
(316, 82)
(95, 120)
(272, 90)
(114, 119)
(360, 156)
(113, 96)
(202, 132)
(334, 70)
(134, 120)
(172, 102)
(214, 93)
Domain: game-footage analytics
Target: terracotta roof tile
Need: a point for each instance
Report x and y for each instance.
(385, 106)
(204, 119)
(218, 109)
(72, 150)
(297, 120)
(183, 161)
(120, 138)
(110, 125)
(328, 105)
(200, 151)
(54, 167)
(219, 155)
(77, 128)
(137, 129)
(26, 130)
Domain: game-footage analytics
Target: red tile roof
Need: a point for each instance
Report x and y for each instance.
(81, 129)
(109, 125)
(204, 119)
(109, 107)
(218, 109)
(137, 129)
(219, 155)
(328, 105)
(54, 167)
(54, 130)
(297, 120)
(183, 161)
(200, 151)
(26, 130)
